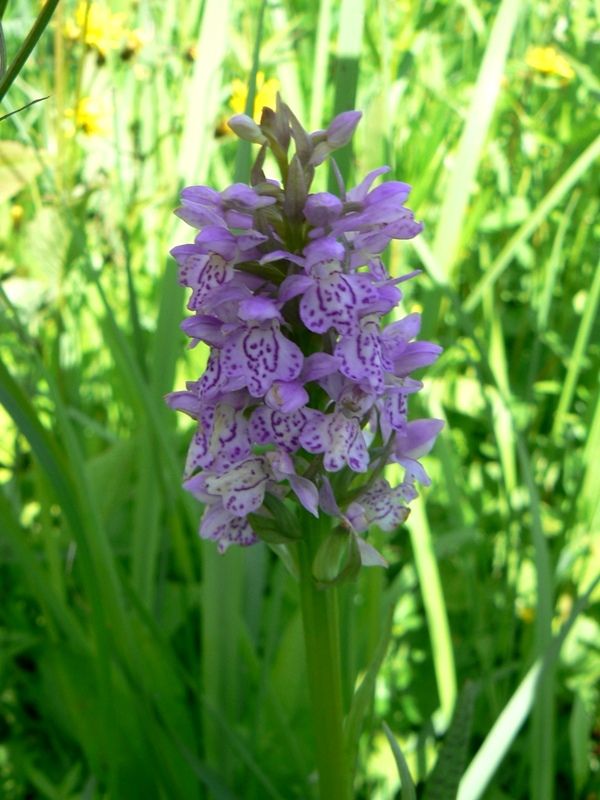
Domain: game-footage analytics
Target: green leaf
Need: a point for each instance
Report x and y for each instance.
(483, 102)
(363, 696)
(408, 786)
(337, 559)
(504, 731)
(445, 777)
(580, 725)
(284, 516)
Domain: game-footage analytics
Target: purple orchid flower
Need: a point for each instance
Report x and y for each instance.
(303, 380)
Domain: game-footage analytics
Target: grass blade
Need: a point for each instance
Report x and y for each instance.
(319, 82)
(435, 611)
(363, 695)
(447, 237)
(347, 65)
(37, 29)
(496, 744)
(443, 782)
(408, 786)
(197, 142)
(577, 358)
(569, 178)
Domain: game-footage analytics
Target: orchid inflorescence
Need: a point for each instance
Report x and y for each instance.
(304, 396)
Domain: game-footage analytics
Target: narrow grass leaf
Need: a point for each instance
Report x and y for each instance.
(23, 53)
(577, 357)
(347, 64)
(504, 731)
(408, 787)
(321, 65)
(435, 612)
(443, 782)
(363, 695)
(197, 141)
(456, 197)
(542, 733)
(167, 339)
(588, 497)
(59, 616)
(146, 533)
(580, 725)
(573, 174)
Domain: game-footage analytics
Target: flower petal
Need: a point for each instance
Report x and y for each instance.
(219, 525)
(242, 487)
(261, 355)
(277, 427)
(362, 357)
(286, 396)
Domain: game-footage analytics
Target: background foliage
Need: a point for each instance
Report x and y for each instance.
(134, 661)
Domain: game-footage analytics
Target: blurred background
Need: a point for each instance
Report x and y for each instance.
(134, 661)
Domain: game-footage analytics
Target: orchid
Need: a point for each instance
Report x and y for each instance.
(304, 400)
(305, 387)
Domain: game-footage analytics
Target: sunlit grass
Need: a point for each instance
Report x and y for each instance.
(134, 661)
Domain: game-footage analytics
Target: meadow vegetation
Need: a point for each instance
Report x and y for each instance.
(135, 662)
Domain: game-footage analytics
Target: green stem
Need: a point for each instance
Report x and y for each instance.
(320, 619)
(30, 42)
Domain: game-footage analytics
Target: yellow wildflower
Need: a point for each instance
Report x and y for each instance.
(549, 61)
(266, 92)
(91, 116)
(99, 27)
(17, 212)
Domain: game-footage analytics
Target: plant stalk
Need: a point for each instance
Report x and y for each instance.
(320, 618)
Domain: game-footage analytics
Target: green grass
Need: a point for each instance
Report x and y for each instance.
(136, 662)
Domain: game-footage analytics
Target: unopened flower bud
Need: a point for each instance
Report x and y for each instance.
(342, 127)
(245, 127)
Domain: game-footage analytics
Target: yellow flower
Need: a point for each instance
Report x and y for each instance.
(549, 61)
(266, 92)
(99, 27)
(17, 212)
(91, 116)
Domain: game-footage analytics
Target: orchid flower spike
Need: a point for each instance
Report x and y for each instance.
(304, 399)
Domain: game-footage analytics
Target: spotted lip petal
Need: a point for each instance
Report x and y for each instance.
(280, 428)
(241, 488)
(339, 438)
(215, 381)
(362, 357)
(199, 455)
(380, 505)
(226, 529)
(335, 300)
(230, 438)
(201, 272)
(393, 409)
(260, 355)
